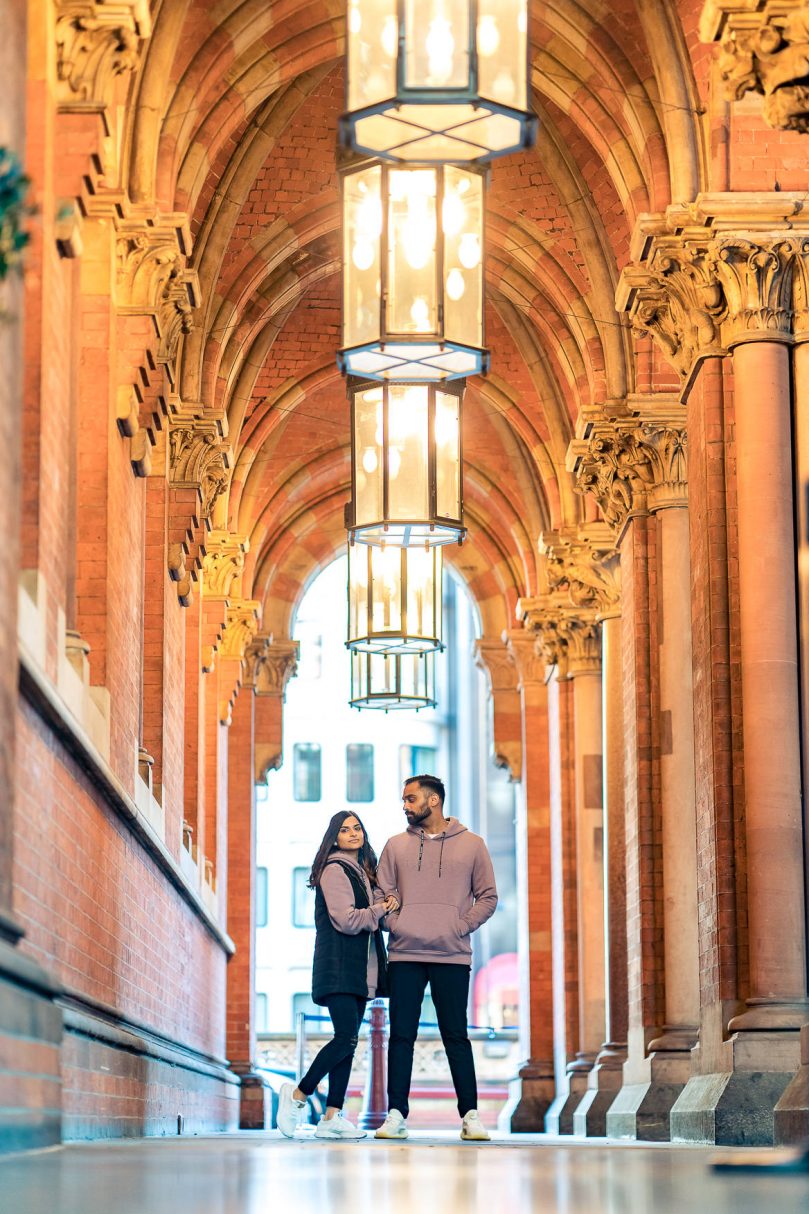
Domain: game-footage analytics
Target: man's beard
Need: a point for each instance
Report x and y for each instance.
(415, 816)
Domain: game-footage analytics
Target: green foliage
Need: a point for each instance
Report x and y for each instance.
(14, 187)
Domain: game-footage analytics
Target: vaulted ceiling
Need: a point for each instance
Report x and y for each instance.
(235, 123)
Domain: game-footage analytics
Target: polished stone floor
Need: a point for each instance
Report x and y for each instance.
(267, 1174)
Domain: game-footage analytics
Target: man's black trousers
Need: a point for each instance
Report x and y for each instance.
(449, 985)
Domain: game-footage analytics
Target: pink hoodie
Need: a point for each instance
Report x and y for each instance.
(446, 889)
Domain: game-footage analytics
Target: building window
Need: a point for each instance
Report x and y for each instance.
(306, 771)
(262, 1013)
(417, 761)
(359, 772)
(262, 887)
(303, 899)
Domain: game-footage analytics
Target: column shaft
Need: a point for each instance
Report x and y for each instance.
(590, 861)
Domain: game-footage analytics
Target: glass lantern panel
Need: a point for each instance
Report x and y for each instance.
(380, 132)
(408, 488)
(358, 577)
(495, 132)
(362, 233)
(436, 118)
(448, 455)
(439, 147)
(368, 471)
(437, 44)
(411, 287)
(372, 44)
(423, 576)
(462, 223)
(386, 589)
(502, 51)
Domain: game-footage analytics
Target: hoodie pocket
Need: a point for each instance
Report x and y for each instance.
(428, 927)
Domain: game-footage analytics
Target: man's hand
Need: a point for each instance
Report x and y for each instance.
(391, 903)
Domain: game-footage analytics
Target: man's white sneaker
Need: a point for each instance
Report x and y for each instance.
(473, 1129)
(338, 1127)
(289, 1110)
(394, 1126)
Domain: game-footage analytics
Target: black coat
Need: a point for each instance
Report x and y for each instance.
(340, 965)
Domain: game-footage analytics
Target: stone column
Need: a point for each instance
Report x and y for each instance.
(254, 1107)
(536, 1075)
(737, 282)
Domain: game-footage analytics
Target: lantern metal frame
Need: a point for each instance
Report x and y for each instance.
(425, 95)
(365, 665)
(398, 351)
(401, 640)
(435, 529)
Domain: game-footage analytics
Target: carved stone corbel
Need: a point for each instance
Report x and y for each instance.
(586, 565)
(223, 563)
(241, 626)
(279, 666)
(496, 662)
(763, 48)
(97, 41)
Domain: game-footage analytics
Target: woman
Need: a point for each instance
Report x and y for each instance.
(349, 967)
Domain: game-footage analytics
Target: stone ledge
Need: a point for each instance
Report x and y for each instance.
(45, 700)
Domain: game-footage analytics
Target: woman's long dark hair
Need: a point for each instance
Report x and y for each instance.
(366, 856)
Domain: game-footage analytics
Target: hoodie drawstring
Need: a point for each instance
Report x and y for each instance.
(440, 854)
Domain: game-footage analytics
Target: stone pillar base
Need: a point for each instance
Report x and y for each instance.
(530, 1097)
(257, 1101)
(791, 1114)
(559, 1119)
(603, 1084)
(643, 1110)
(737, 1107)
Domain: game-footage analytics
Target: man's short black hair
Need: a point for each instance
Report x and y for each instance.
(431, 784)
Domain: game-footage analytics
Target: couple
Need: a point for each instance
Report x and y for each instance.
(435, 886)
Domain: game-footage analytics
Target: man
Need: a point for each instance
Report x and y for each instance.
(443, 878)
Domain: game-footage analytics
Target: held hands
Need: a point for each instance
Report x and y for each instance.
(391, 903)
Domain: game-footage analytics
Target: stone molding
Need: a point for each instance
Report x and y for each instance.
(279, 666)
(242, 622)
(632, 465)
(763, 48)
(723, 270)
(153, 277)
(254, 657)
(496, 661)
(529, 660)
(97, 41)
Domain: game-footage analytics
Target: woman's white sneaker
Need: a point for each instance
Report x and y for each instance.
(473, 1129)
(289, 1110)
(338, 1127)
(394, 1126)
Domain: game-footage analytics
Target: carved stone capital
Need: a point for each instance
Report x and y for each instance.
(153, 278)
(585, 564)
(255, 656)
(497, 663)
(632, 465)
(566, 637)
(199, 456)
(242, 624)
(279, 666)
(763, 48)
(97, 41)
(530, 664)
(756, 279)
(223, 563)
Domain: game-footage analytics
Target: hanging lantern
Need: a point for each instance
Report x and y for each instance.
(437, 80)
(390, 681)
(394, 599)
(406, 462)
(412, 272)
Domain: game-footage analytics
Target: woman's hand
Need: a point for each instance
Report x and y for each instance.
(391, 903)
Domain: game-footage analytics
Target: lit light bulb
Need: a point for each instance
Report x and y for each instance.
(453, 214)
(415, 244)
(390, 36)
(488, 36)
(369, 460)
(503, 87)
(522, 19)
(368, 219)
(469, 251)
(420, 313)
(354, 19)
(455, 285)
(394, 463)
(440, 46)
(363, 254)
(446, 424)
(376, 85)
